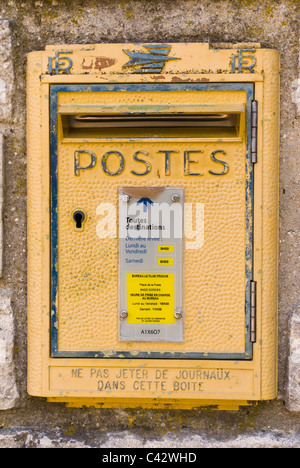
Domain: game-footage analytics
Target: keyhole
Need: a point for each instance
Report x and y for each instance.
(78, 217)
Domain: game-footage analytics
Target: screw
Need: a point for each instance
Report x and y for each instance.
(126, 198)
(123, 314)
(178, 314)
(175, 198)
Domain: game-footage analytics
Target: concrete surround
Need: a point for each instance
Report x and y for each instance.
(30, 25)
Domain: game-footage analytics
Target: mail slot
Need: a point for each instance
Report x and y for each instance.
(152, 225)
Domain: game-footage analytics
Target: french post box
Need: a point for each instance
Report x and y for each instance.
(152, 224)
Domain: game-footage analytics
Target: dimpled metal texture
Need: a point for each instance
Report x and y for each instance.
(88, 271)
(214, 274)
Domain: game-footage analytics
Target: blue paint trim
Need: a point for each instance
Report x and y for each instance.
(54, 220)
(242, 65)
(249, 222)
(54, 90)
(151, 62)
(58, 66)
(151, 355)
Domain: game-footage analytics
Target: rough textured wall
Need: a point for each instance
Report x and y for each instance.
(33, 24)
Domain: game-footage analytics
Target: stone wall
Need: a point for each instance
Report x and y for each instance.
(29, 25)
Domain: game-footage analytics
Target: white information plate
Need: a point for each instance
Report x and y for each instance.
(150, 263)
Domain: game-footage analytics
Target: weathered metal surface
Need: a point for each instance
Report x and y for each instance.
(233, 243)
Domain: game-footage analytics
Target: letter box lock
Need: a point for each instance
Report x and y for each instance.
(79, 218)
(152, 258)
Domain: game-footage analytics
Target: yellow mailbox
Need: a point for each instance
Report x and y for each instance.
(152, 224)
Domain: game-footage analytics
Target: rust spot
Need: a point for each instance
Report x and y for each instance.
(177, 79)
(158, 77)
(88, 66)
(97, 63)
(104, 62)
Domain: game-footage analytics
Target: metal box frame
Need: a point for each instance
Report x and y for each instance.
(65, 376)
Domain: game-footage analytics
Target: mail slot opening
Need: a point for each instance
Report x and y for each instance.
(164, 120)
(151, 125)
